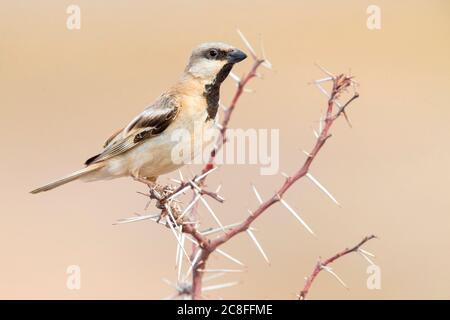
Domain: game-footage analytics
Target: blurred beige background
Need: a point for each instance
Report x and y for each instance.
(63, 92)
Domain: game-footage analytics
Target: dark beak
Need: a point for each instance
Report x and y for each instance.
(236, 56)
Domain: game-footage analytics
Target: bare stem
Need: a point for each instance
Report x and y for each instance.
(204, 246)
(323, 137)
(340, 84)
(322, 264)
(221, 140)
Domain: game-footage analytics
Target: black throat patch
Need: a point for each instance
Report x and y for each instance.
(212, 91)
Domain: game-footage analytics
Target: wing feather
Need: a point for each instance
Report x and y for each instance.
(151, 122)
(112, 138)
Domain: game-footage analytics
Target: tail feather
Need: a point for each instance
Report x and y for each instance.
(73, 176)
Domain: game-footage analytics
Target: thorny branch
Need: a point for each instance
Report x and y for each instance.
(323, 265)
(340, 83)
(183, 223)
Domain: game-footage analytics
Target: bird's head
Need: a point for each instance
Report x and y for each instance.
(213, 59)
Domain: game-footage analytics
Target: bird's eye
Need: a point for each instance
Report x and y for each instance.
(212, 53)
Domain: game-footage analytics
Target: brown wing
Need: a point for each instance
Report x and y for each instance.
(151, 122)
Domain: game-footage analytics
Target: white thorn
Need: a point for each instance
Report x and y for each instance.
(284, 174)
(366, 257)
(296, 216)
(195, 186)
(180, 258)
(258, 196)
(158, 220)
(200, 177)
(247, 44)
(190, 185)
(367, 252)
(193, 202)
(218, 188)
(316, 134)
(321, 187)
(192, 240)
(177, 255)
(234, 77)
(329, 270)
(179, 192)
(220, 286)
(205, 203)
(266, 63)
(307, 153)
(248, 90)
(220, 270)
(181, 175)
(325, 71)
(252, 236)
(323, 80)
(321, 124)
(214, 230)
(176, 236)
(230, 257)
(325, 92)
(212, 276)
(220, 197)
(175, 180)
(194, 262)
(137, 218)
(169, 210)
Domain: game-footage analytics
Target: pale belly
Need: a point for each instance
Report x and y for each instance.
(170, 150)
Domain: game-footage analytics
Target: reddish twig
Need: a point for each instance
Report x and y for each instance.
(203, 246)
(322, 264)
(204, 242)
(340, 84)
(221, 139)
(323, 137)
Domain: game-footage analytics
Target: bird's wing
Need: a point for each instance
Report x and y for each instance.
(151, 122)
(112, 138)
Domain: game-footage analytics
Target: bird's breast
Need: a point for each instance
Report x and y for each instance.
(183, 140)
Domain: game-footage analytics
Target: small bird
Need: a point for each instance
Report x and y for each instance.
(143, 149)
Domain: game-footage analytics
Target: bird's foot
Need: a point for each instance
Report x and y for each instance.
(149, 182)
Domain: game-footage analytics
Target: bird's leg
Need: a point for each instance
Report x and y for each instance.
(157, 192)
(149, 182)
(154, 190)
(153, 193)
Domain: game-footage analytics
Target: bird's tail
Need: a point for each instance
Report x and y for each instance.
(73, 176)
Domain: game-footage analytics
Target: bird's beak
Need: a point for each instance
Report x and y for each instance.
(235, 56)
